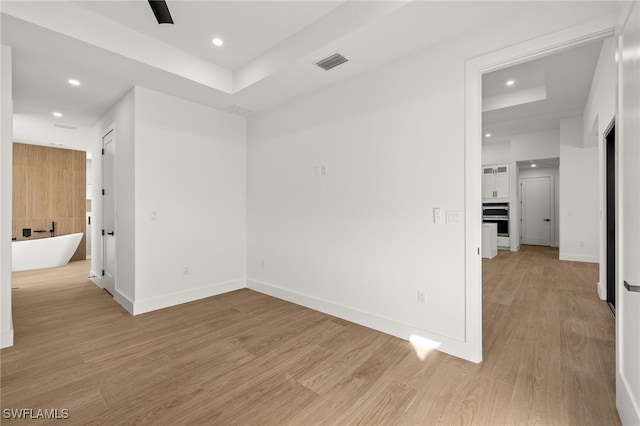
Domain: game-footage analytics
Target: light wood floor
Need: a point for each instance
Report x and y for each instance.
(245, 358)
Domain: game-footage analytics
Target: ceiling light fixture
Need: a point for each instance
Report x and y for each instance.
(57, 114)
(488, 135)
(74, 82)
(533, 165)
(217, 42)
(510, 83)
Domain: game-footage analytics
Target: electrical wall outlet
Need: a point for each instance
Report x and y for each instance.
(422, 297)
(185, 271)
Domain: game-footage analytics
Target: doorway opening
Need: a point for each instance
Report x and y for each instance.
(516, 130)
(538, 195)
(610, 213)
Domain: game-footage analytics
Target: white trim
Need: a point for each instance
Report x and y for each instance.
(475, 68)
(109, 129)
(627, 401)
(627, 409)
(601, 288)
(580, 257)
(6, 338)
(380, 323)
(124, 301)
(177, 298)
(6, 200)
(95, 278)
(473, 214)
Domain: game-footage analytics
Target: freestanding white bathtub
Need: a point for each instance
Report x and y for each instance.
(44, 252)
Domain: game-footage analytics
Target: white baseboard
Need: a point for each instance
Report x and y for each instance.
(124, 301)
(580, 258)
(515, 248)
(6, 338)
(602, 290)
(178, 298)
(627, 407)
(96, 279)
(445, 344)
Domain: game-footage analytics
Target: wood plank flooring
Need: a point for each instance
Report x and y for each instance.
(244, 358)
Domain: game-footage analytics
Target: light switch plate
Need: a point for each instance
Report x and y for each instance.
(453, 216)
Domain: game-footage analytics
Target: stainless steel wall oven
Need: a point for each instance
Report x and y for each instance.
(497, 213)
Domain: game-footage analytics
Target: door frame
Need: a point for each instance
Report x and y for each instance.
(598, 29)
(552, 206)
(627, 398)
(99, 229)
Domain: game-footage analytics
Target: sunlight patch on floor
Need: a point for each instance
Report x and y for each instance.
(422, 346)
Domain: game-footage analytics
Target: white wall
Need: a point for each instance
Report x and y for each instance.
(601, 103)
(360, 241)
(498, 152)
(180, 200)
(121, 119)
(190, 171)
(535, 146)
(579, 195)
(598, 115)
(6, 185)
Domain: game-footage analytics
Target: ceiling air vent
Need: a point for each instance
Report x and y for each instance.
(331, 61)
(64, 126)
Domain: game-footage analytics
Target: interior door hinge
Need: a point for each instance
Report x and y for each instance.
(103, 232)
(103, 272)
(102, 151)
(103, 192)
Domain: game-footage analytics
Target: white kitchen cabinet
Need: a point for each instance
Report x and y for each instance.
(489, 240)
(495, 183)
(503, 243)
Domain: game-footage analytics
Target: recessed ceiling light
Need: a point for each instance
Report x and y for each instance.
(74, 82)
(533, 165)
(57, 114)
(510, 83)
(488, 135)
(217, 42)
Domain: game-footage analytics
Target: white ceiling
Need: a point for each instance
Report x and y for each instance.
(267, 59)
(263, 26)
(545, 91)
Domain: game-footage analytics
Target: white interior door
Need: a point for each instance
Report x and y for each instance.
(536, 210)
(108, 213)
(628, 303)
